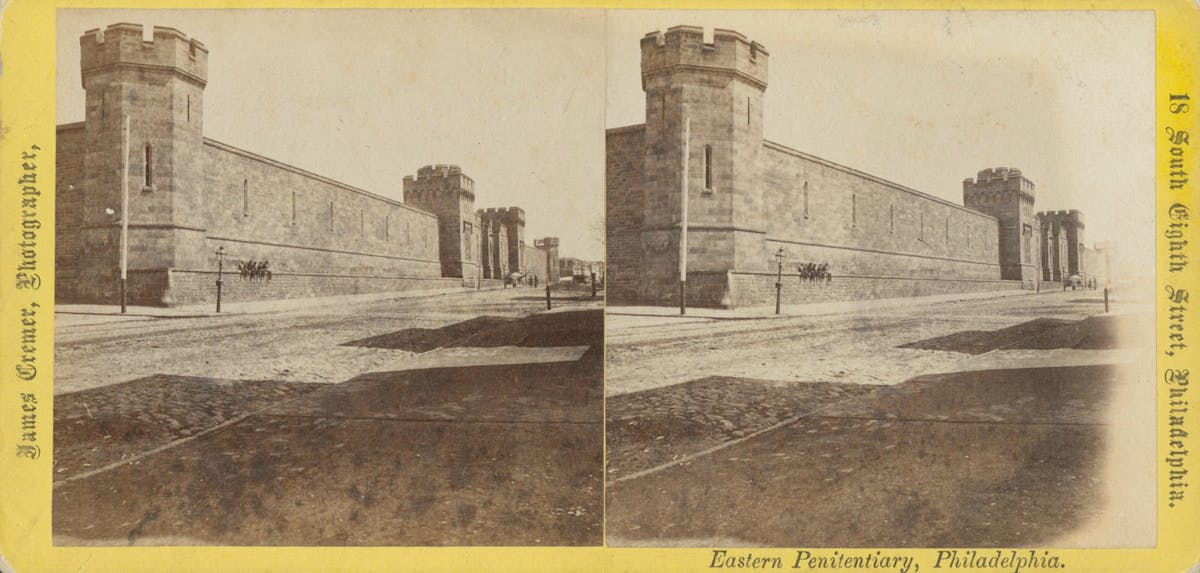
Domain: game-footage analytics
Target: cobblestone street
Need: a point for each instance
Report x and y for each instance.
(988, 422)
(459, 420)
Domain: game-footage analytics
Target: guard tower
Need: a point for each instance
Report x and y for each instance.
(448, 193)
(550, 245)
(718, 87)
(1007, 195)
(1062, 244)
(506, 252)
(158, 84)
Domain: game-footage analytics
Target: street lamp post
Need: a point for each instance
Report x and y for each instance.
(779, 280)
(220, 267)
(548, 275)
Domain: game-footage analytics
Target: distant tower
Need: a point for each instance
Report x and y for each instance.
(1062, 244)
(448, 193)
(550, 245)
(507, 240)
(159, 85)
(719, 87)
(499, 230)
(1008, 196)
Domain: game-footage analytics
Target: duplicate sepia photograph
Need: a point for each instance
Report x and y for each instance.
(880, 279)
(328, 278)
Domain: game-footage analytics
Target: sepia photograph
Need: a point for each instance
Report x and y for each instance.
(375, 285)
(328, 277)
(880, 279)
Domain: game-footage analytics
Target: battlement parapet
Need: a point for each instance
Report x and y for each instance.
(683, 47)
(503, 215)
(123, 45)
(512, 214)
(439, 170)
(1063, 217)
(996, 174)
(440, 178)
(1006, 177)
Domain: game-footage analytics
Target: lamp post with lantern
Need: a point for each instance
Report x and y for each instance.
(220, 267)
(779, 279)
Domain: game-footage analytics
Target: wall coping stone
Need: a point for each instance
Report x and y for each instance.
(790, 151)
(280, 165)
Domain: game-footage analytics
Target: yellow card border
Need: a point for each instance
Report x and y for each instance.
(27, 126)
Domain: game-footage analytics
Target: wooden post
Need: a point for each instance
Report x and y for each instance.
(683, 220)
(125, 205)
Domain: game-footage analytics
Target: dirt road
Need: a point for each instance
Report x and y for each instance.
(460, 420)
(1001, 422)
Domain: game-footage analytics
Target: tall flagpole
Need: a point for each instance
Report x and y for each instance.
(683, 222)
(125, 205)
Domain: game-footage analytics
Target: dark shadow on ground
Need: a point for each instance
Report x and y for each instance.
(981, 341)
(568, 328)
(1092, 333)
(976, 459)
(486, 455)
(426, 339)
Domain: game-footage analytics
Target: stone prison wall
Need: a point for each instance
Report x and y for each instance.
(821, 212)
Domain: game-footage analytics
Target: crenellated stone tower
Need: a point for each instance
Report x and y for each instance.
(719, 87)
(448, 193)
(550, 246)
(1008, 196)
(1062, 244)
(504, 240)
(159, 86)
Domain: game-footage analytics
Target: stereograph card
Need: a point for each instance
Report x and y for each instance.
(811, 286)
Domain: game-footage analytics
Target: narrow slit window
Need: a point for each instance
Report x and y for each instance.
(331, 215)
(148, 157)
(891, 218)
(947, 229)
(293, 207)
(853, 210)
(806, 199)
(708, 185)
(747, 111)
(245, 197)
(922, 232)
(362, 221)
(189, 108)
(387, 226)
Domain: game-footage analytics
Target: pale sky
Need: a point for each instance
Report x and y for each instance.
(927, 99)
(518, 98)
(515, 98)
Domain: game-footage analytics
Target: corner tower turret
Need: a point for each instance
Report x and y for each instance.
(448, 193)
(158, 84)
(719, 87)
(1007, 195)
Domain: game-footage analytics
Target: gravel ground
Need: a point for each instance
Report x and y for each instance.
(827, 431)
(490, 454)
